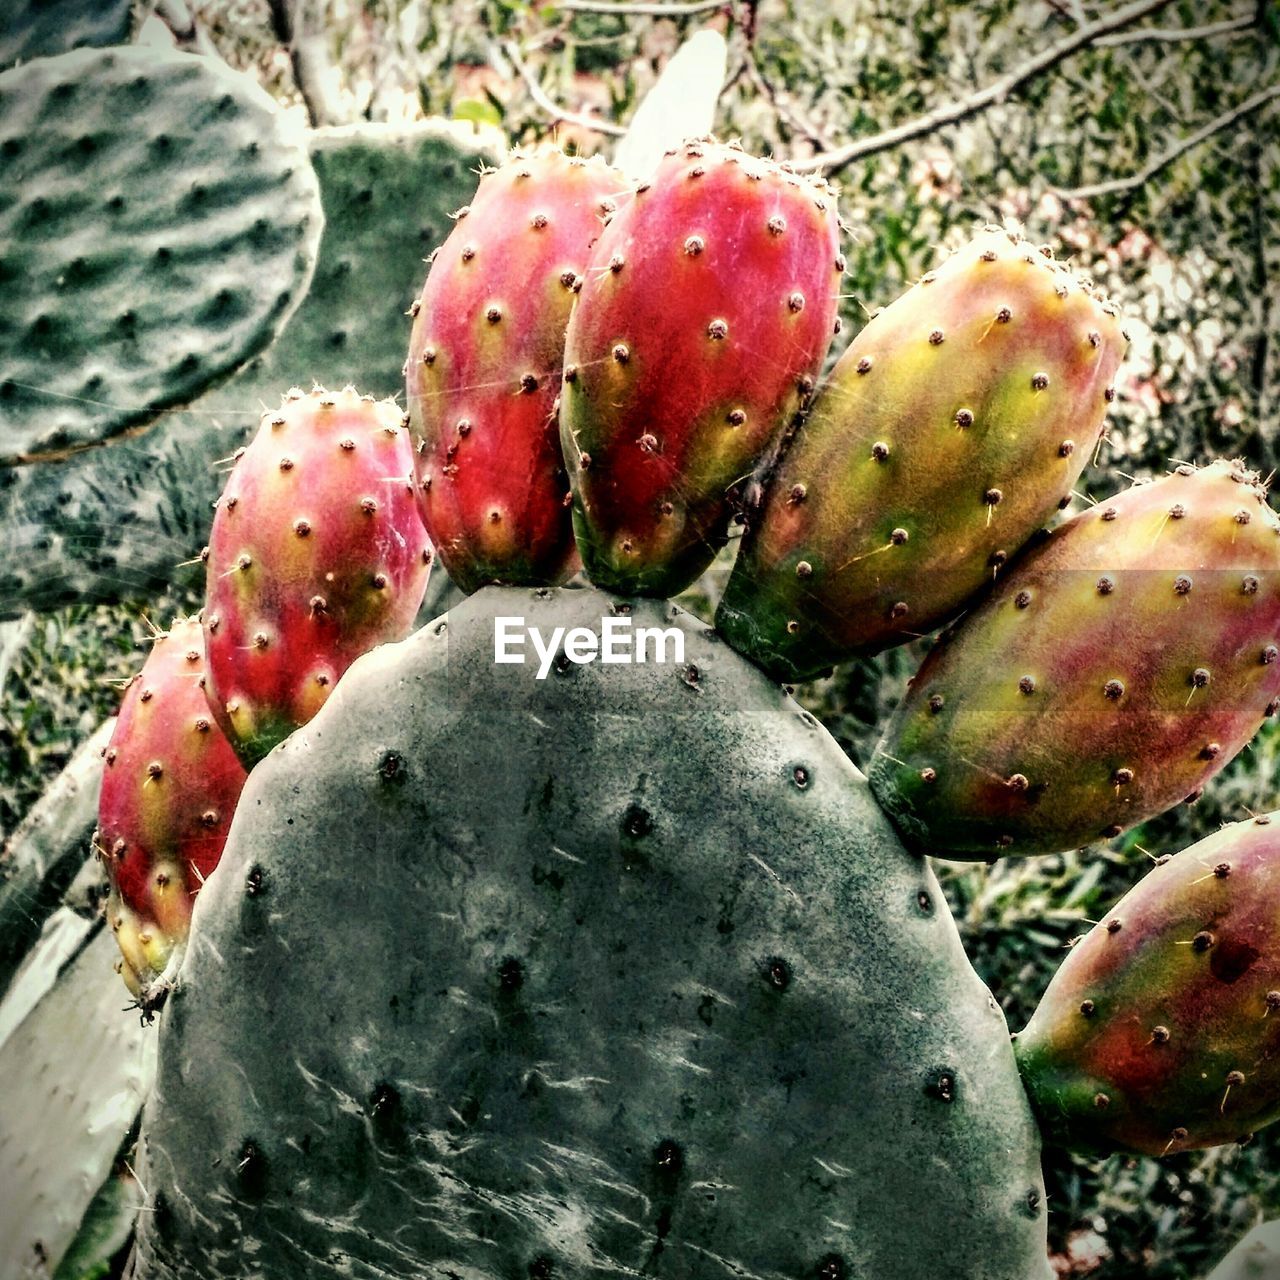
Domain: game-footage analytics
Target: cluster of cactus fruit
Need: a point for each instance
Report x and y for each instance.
(317, 554)
(630, 971)
(630, 951)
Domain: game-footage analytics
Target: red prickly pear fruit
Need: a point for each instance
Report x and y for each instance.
(484, 367)
(1120, 664)
(951, 429)
(708, 305)
(318, 554)
(1161, 1031)
(169, 790)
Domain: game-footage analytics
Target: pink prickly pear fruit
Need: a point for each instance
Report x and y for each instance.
(951, 429)
(484, 366)
(1161, 1031)
(318, 554)
(1120, 664)
(707, 307)
(169, 789)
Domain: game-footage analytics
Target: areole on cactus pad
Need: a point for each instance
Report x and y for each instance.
(318, 553)
(1161, 1031)
(484, 365)
(1116, 668)
(169, 792)
(706, 309)
(949, 431)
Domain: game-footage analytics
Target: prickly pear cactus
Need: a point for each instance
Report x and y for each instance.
(139, 266)
(75, 1072)
(1117, 667)
(706, 309)
(107, 524)
(168, 794)
(1256, 1257)
(43, 28)
(318, 553)
(42, 856)
(483, 374)
(1161, 1031)
(950, 430)
(652, 991)
(681, 105)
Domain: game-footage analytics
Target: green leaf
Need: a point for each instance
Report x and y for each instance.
(478, 111)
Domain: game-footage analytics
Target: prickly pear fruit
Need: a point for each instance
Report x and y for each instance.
(707, 307)
(1120, 664)
(484, 369)
(169, 791)
(951, 429)
(1161, 1031)
(318, 553)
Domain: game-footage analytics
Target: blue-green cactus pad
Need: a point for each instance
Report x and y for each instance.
(620, 972)
(105, 524)
(158, 223)
(75, 1071)
(42, 28)
(1256, 1257)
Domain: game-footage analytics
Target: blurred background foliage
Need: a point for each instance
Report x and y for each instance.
(1146, 155)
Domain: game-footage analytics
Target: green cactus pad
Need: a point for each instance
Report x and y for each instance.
(75, 1072)
(616, 972)
(41, 858)
(65, 931)
(388, 191)
(109, 523)
(158, 225)
(43, 28)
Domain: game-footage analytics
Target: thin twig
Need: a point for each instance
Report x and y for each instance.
(1071, 9)
(643, 10)
(557, 114)
(996, 92)
(780, 103)
(1172, 35)
(1265, 298)
(1203, 134)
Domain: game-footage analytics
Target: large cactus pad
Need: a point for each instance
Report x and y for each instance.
(108, 523)
(157, 224)
(41, 28)
(75, 1071)
(643, 983)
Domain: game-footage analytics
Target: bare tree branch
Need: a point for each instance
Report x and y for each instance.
(1172, 35)
(1201, 135)
(1071, 9)
(309, 57)
(644, 10)
(538, 94)
(186, 31)
(996, 92)
(780, 102)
